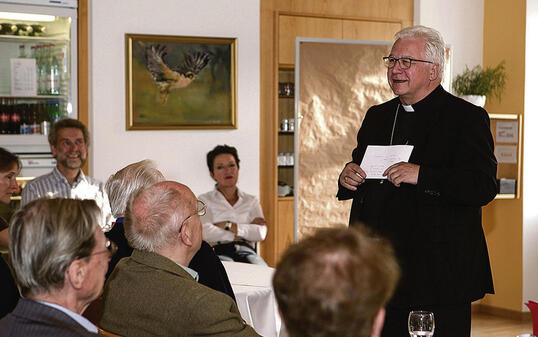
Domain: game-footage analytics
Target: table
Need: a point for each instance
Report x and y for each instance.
(255, 298)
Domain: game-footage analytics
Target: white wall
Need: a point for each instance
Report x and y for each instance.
(180, 154)
(461, 23)
(530, 164)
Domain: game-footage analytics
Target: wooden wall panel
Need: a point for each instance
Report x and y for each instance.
(368, 30)
(290, 27)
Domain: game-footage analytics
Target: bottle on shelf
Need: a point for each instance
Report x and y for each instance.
(8, 29)
(24, 29)
(53, 111)
(24, 128)
(41, 71)
(38, 30)
(55, 72)
(22, 51)
(4, 117)
(35, 127)
(15, 119)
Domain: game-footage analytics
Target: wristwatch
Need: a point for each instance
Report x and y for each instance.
(228, 226)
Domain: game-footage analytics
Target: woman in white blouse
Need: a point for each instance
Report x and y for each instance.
(234, 219)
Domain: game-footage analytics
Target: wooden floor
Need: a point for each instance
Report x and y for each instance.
(485, 325)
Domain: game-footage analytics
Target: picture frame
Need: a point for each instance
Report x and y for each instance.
(180, 82)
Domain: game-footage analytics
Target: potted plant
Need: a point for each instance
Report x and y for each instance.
(480, 83)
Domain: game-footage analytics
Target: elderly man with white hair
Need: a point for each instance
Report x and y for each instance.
(154, 292)
(60, 257)
(430, 206)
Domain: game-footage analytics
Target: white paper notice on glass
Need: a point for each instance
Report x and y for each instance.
(378, 158)
(506, 154)
(23, 77)
(506, 132)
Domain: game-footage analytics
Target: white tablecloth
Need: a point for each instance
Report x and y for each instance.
(255, 298)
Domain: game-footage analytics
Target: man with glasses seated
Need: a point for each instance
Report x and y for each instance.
(60, 257)
(429, 207)
(154, 292)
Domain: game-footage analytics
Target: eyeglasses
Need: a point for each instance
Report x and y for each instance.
(111, 248)
(201, 209)
(405, 62)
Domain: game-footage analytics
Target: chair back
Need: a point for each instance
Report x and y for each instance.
(106, 333)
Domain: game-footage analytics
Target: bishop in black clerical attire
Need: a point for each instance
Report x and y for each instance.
(429, 207)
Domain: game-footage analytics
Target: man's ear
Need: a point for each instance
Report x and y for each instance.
(377, 325)
(76, 273)
(186, 235)
(434, 72)
(53, 150)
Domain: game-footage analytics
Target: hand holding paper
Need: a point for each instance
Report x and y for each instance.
(378, 158)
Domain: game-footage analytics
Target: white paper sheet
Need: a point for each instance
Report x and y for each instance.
(506, 132)
(378, 158)
(23, 77)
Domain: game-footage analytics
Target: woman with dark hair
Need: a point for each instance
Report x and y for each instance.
(9, 169)
(234, 219)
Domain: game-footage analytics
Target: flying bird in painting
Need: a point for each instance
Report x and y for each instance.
(172, 78)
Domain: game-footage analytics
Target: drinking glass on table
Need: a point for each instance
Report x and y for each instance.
(421, 323)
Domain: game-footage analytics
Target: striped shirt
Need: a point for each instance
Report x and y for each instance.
(55, 185)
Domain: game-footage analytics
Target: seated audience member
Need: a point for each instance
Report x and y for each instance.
(69, 140)
(138, 176)
(60, 257)
(153, 292)
(234, 219)
(335, 283)
(9, 169)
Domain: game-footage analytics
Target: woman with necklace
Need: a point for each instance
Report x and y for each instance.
(234, 219)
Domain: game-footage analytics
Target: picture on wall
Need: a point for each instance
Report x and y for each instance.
(178, 82)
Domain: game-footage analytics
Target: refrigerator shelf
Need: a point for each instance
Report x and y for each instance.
(34, 97)
(11, 38)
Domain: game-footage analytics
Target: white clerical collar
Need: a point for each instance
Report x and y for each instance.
(408, 108)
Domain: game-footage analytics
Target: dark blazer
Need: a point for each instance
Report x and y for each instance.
(31, 318)
(150, 295)
(434, 226)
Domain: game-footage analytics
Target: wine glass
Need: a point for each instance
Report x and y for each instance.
(421, 323)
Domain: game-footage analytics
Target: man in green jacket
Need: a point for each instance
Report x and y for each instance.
(153, 292)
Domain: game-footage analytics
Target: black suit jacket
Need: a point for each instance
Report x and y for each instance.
(31, 318)
(434, 226)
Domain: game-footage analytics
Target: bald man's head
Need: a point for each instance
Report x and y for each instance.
(154, 215)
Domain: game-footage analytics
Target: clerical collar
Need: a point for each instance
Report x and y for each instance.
(408, 108)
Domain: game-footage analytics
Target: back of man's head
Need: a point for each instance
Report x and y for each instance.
(335, 283)
(154, 215)
(46, 235)
(129, 180)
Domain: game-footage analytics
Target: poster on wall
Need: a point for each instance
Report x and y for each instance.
(179, 82)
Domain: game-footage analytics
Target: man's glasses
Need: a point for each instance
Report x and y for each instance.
(405, 62)
(111, 248)
(200, 210)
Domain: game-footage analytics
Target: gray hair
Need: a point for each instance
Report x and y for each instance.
(434, 46)
(129, 180)
(68, 123)
(46, 235)
(153, 224)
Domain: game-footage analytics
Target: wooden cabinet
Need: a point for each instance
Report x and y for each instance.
(286, 229)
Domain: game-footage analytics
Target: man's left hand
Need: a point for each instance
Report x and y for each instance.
(402, 172)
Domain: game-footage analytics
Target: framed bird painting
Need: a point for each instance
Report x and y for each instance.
(179, 82)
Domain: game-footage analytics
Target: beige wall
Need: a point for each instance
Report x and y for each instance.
(504, 39)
